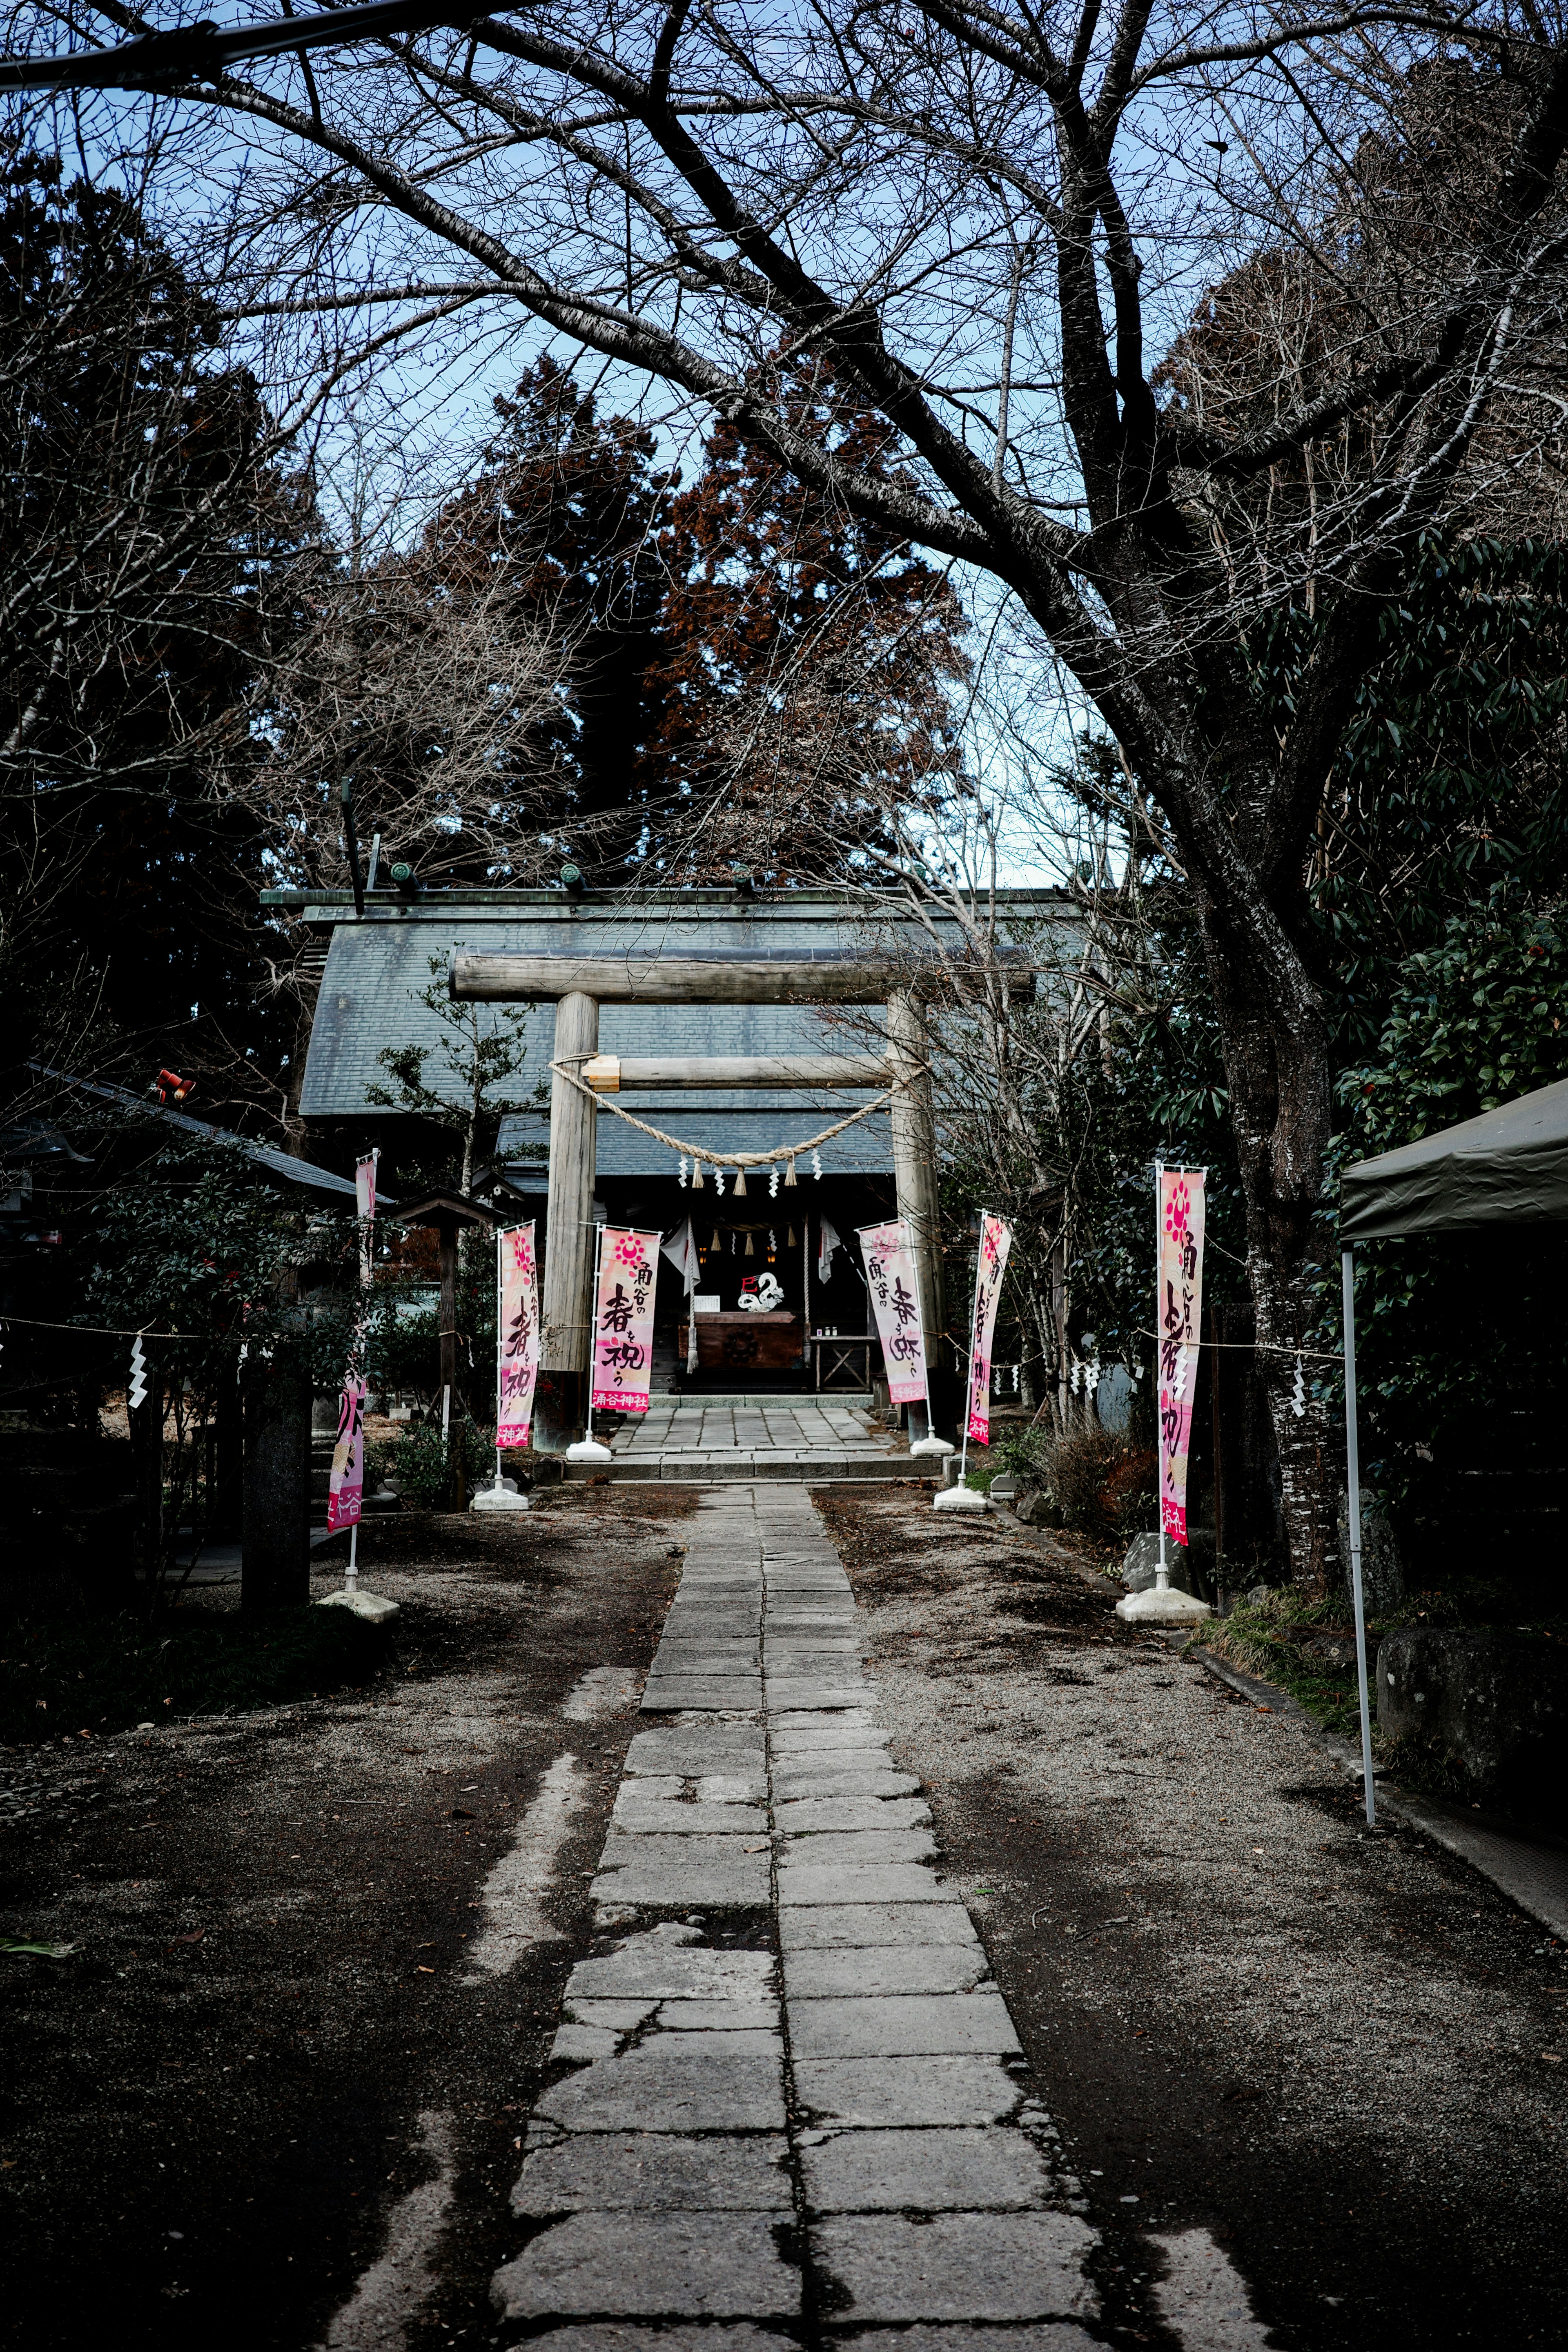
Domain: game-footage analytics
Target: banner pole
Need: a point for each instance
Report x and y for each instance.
(500, 1342)
(969, 1381)
(594, 1323)
(920, 1323)
(1352, 1475)
(352, 1578)
(1162, 1573)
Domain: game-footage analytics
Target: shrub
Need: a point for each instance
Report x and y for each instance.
(1092, 1479)
(421, 1463)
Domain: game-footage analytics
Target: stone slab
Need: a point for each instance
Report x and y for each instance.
(693, 2265)
(792, 1690)
(1052, 2336)
(644, 1846)
(626, 2336)
(673, 1695)
(653, 2170)
(685, 1882)
(803, 1815)
(655, 1968)
(871, 2092)
(689, 1750)
(893, 1882)
(988, 2266)
(924, 2171)
(839, 1780)
(893, 2025)
(820, 1662)
(848, 1925)
(707, 1654)
(724, 2014)
(575, 2045)
(671, 2084)
(678, 1817)
(623, 2016)
(890, 1969)
(807, 1740)
(854, 1849)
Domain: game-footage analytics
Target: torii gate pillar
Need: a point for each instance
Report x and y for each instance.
(915, 1183)
(561, 1401)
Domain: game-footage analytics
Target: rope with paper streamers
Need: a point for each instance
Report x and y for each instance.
(700, 1153)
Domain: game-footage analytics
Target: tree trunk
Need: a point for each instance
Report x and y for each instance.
(1276, 1066)
(276, 1553)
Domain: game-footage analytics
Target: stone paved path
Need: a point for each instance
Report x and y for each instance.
(792, 2108)
(789, 1437)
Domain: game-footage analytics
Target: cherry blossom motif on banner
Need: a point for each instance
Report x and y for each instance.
(623, 1324)
(517, 1335)
(888, 1251)
(995, 1241)
(345, 1487)
(1180, 1200)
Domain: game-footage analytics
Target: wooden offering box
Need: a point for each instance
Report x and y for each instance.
(741, 1343)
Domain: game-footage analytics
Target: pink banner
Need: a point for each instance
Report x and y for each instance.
(364, 1185)
(345, 1487)
(995, 1241)
(623, 1325)
(517, 1335)
(1181, 1198)
(888, 1251)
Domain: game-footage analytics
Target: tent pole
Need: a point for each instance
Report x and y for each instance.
(1162, 1573)
(1352, 1475)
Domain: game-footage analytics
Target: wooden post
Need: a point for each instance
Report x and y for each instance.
(449, 1237)
(914, 1176)
(1216, 1357)
(276, 1558)
(560, 1400)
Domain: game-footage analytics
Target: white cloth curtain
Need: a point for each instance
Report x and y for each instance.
(680, 1248)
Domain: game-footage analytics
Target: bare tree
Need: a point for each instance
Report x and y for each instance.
(424, 702)
(992, 220)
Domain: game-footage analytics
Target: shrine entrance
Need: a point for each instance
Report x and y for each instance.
(814, 1337)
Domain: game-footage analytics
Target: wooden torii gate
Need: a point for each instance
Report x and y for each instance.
(578, 986)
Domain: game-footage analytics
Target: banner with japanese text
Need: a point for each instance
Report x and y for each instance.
(345, 1486)
(888, 1251)
(517, 1335)
(623, 1322)
(1180, 1200)
(995, 1241)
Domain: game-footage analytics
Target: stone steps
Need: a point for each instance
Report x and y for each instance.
(708, 1469)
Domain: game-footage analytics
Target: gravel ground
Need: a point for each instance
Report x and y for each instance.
(286, 2039)
(1341, 2053)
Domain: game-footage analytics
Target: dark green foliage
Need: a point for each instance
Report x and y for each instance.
(108, 1674)
(421, 1463)
(193, 1247)
(1461, 1372)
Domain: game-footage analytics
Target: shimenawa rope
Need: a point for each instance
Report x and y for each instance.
(737, 1159)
